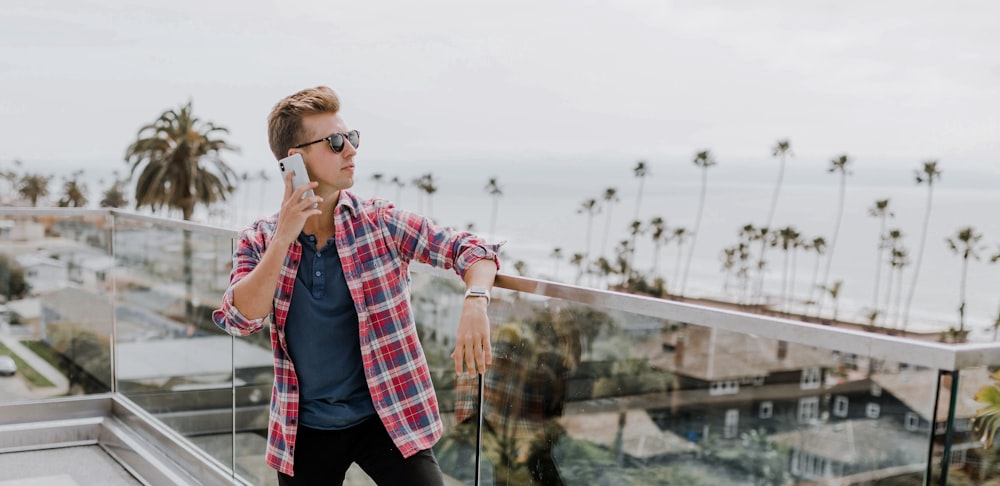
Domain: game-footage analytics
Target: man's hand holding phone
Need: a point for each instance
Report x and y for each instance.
(297, 205)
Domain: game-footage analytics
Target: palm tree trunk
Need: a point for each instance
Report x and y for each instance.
(188, 274)
(961, 307)
(833, 242)
(677, 267)
(815, 279)
(784, 283)
(770, 221)
(878, 263)
(697, 229)
(795, 259)
(888, 297)
(607, 231)
(899, 299)
(920, 255)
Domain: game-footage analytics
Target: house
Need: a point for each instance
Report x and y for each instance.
(727, 383)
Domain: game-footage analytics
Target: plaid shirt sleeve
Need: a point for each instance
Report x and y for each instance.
(250, 247)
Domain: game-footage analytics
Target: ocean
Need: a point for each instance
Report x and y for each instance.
(538, 212)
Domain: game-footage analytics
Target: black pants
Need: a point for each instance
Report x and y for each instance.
(322, 457)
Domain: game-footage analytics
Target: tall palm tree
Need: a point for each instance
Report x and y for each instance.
(679, 235)
(641, 171)
(817, 245)
(899, 260)
(591, 207)
(557, 255)
(927, 174)
(74, 192)
(837, 165)
(834, 291)
(782, 149)
(787, 238)
(33, 187)
(704, 161)
(399, 187)
(495, 191)
(881, 211)
(965, 243)
(610, 198)
(577, 260)
(893, 242)
(635, 229)
(377, 179)
(728, 257)
(427, 186)
(657, 231)
(179, 164)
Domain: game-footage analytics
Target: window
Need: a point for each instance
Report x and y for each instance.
(808, 409)
(731, 427)
(840, 404)
(876, 390)
(872, 410)
(810, 378)
(766, 409)
(728, 387)
(912, 422)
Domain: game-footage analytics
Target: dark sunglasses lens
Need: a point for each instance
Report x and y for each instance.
(354, 137)
(336, 142)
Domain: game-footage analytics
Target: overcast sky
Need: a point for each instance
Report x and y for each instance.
(889, 82)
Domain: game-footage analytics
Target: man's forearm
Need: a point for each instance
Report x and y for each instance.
(253, 295)
(481, 273)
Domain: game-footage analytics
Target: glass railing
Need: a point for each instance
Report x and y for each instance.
(587, 387)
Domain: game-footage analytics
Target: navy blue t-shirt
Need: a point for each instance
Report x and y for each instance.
(322, 335)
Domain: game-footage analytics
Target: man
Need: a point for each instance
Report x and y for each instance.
(329, 272)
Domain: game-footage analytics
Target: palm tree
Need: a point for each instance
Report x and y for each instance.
(782, 149)
(704, 161)
(399, 187)
(899, 260)
(892, 241)
(965, 243)
(641, 171)
(787, 238)
(679, 235)
(926, 175)
(521, 268)
(610, 198)
(635, 229)
(728, 257)
(834, 291)
(881, 211)
(33, 187)
(557, 254)
(818, 245)
(74, 192)
(591, 207)
(179, 161)
(838, 164)
(657, 231)
(114, 196)
(577, 260)
(377, 179)
(494, 190)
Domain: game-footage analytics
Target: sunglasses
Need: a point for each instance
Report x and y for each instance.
(337, 140)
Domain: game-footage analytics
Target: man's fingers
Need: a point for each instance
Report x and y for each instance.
(470, 358)
(288, 184)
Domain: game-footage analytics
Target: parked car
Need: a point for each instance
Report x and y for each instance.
(7, 366)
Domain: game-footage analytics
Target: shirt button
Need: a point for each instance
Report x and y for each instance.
(319, 274)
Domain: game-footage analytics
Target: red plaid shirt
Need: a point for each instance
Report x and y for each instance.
(375, 242)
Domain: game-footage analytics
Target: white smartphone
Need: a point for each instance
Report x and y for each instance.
(295, 164)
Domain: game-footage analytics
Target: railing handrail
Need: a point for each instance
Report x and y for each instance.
(941, 356)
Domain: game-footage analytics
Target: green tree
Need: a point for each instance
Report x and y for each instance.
(13, 284)
(74, 193)
(591, 208)
(897, 259)
(377, 179)
(641, 171)
(782, 150)
(817, 245)
(578, 260)
(426, 185)
(881, 211)
(178, 158)
(928, 174)
(680, 235)
(788, 239)
(657, 231)
(33, 187)
(114, 196)
(495, 191)
(704, 161)
(965, 243)
(837, 165)
(610, 198)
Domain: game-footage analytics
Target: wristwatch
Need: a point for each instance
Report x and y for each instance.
(478, 291)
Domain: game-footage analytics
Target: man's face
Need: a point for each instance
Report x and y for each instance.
(330, 169)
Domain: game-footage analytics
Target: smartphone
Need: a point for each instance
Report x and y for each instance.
(295, 164)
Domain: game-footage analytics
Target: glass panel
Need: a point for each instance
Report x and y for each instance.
(171, 358)
(977, 396)
(55, 306)
(586, 395)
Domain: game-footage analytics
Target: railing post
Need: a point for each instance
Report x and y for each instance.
(949, 425)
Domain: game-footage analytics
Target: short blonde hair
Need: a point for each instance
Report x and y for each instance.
(284, 124)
